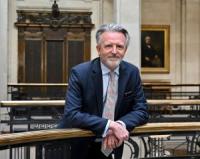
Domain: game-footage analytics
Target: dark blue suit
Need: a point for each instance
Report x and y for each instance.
(84, 101)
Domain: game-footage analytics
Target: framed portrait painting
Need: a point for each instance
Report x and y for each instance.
(155, 48)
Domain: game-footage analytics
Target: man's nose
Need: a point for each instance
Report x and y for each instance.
(114, 49)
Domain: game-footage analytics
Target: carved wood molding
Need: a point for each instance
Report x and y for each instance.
(45, 18)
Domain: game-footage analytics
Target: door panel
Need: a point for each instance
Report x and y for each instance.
(75, 52)
(33, 61)
(54, 62)
(47, 53)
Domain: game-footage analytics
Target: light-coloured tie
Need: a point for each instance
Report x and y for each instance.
(110, 102)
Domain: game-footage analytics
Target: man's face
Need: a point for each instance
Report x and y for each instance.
(148, 40)
(111, 49)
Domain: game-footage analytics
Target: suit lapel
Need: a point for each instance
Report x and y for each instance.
(97, 77)
(123, 78)
(98, 85)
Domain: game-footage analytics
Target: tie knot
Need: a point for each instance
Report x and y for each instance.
(112, 75)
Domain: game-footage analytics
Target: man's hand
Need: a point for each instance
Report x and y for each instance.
(119, 132)
(110, 142)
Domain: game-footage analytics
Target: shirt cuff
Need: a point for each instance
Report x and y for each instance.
(122, 123)
(106, 129)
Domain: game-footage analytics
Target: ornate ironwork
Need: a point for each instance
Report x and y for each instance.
(133, 147)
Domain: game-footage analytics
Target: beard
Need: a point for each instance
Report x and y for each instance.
(112, 62)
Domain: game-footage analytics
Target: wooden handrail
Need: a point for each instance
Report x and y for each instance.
(47, 103)
(168, 127)
(42, 135)
(55, 134)
(37, 84)
(66, 84)
(33, 103)
(172, 85)
(161, 102)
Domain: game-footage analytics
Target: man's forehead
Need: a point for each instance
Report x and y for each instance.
(107, 42)
(113, 36)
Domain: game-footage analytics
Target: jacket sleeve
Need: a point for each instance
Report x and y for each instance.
(74, 116)
(137, 114)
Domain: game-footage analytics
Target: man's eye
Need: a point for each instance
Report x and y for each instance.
(108, 46)
(120, 47)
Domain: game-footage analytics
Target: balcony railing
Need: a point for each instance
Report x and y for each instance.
(49, 143)
(45, 114)
(30, 91)
(162, 140)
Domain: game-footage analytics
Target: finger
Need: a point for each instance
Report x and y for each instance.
(105, 142)
(127, 137)
(110, 142)
(124, 135)
(119, 143)
(116, 142)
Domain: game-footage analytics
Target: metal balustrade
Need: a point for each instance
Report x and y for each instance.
(44, 114)
(162, 90)
(159, 90)
(39, 111)
(145, 142)
(49, 143)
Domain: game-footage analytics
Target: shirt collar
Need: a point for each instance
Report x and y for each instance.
(106, 70)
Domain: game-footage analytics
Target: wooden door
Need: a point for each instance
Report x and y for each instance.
(46, 54)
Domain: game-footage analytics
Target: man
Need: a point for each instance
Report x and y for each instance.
(89, 97)
(150, 56)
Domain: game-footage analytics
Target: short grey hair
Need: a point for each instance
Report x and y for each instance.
(112, 28)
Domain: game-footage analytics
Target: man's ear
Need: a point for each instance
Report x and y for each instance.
(125, 49)
(98, 49)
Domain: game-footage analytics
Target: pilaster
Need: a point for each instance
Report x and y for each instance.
(127, 13)
(3, 48)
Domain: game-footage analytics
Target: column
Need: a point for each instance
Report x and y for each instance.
(127, 13)
(3, 48)
(12, 43)
(191, 63)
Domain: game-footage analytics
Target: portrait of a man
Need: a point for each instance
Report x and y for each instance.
(155, 48)
(152, 49)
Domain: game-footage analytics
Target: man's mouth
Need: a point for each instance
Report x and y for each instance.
(113, 58)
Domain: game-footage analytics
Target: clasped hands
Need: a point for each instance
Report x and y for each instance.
(116, 135)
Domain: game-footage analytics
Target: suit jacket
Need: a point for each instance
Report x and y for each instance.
(84, 100)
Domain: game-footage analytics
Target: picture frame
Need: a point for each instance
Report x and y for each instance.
(155, 49)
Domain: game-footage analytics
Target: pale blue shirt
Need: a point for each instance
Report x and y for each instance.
(105, 77)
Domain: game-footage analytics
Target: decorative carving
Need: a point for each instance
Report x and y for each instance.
(54, 19)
